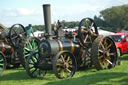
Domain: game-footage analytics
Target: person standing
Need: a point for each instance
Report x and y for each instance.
(29, 30)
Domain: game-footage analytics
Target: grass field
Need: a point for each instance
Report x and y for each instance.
(116, 76)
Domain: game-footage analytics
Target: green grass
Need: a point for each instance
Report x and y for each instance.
(116, 76)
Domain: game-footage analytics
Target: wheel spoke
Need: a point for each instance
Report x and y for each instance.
(109, 46)
(59, 64)
(70, 66)
(90, 38)
(58, 69)
(26, 55)
(68, 70)
(13, 38)
(34, 71)
(105, 43)
(100, 50)
(109, 61)
(94, 34)
(111, 54)
(31, 67)
(26, 52)
(31, 63)
(1, 60)
(68, 59)
(108, 50)
(33, 60)
(27, 49)
(63, 73)
(102, 46)
(92, 25)
(100, 57)
(23, 33)
(33, 43)
(62, 58)
(30, 45)
(36, 48)
(85, 38)
(1, 64)
(59, 60)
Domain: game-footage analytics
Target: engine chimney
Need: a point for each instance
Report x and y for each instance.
(47, 20)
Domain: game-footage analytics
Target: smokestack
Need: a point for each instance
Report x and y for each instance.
(47, 20)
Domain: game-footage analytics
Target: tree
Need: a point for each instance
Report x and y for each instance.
(114, 18)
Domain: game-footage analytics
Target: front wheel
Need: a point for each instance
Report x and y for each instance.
(32, 66)
(64, 65)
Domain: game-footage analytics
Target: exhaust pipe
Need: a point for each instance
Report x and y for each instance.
(47, 20)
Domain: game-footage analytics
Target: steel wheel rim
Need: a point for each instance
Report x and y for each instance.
(2, 63)
(64, 65)
(32, 67)
(87, 34)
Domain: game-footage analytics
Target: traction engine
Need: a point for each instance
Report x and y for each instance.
(64, 52)
(10, 40)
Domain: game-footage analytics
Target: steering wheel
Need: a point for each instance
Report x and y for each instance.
(87, 32)
(16, 34)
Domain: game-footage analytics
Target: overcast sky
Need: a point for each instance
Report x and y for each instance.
(30, 11)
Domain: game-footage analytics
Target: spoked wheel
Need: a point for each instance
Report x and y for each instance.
(30, 46)
(32, 66)
(2, 62)
(16, 34)
(87, 32)
(64, 65)
(104, 54)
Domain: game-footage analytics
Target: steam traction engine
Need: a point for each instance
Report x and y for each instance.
(65, 52)
(10, 40)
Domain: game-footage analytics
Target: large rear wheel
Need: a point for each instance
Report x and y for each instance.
(104, 54)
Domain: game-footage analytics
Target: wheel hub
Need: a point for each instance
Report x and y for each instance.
(36, 65)
(66, 64)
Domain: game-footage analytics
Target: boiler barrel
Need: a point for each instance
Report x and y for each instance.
(5, 48)
(52, 47)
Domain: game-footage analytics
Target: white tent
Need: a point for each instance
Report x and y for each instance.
(104, 32)
(38, 33)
